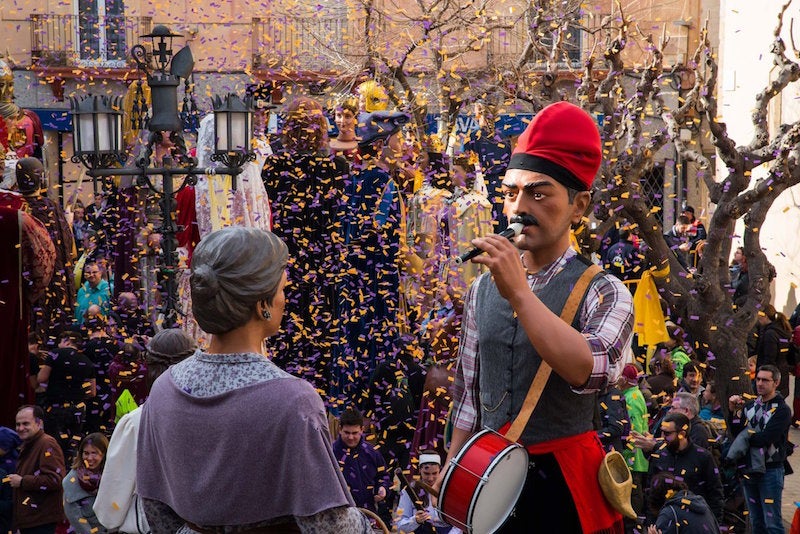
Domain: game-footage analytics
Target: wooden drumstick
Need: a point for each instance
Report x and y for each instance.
(407, 488)
(430, 489)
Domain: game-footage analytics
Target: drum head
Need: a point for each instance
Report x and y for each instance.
(498, 496)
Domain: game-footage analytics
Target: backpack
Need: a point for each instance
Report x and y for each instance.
(717, 430)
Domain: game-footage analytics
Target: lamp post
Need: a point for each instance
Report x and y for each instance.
(97, 139)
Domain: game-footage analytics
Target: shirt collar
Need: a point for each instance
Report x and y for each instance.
(240, 357)
(552, 269)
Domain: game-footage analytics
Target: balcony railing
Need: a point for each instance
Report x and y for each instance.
(328, 43)
(84, 40)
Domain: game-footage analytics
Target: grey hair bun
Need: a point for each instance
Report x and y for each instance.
(204, 282)
(233, 269)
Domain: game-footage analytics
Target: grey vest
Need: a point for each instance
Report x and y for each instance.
(508, 362)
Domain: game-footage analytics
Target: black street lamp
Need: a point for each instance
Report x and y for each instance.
(97, 139)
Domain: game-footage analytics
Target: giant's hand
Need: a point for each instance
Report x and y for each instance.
(502, 258)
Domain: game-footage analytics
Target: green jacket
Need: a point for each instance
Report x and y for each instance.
(637, 412)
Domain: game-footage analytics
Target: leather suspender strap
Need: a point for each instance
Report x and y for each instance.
(543, 374)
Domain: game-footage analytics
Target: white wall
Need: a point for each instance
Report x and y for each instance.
(746, 35)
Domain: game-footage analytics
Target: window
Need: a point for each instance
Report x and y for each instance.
(101, 31)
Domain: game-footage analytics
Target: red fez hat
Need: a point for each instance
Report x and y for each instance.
(562, 142)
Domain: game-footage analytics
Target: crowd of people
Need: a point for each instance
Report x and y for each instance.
(335, 257)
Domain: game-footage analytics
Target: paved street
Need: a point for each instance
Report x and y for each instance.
(791, 490)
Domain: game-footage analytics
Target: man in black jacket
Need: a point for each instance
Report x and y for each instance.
(687, 462)
(767, 421)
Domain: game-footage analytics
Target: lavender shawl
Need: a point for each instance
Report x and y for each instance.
(252, 454)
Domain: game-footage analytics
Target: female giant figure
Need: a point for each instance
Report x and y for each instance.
(228, 441)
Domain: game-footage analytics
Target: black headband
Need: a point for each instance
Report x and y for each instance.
(562, 175)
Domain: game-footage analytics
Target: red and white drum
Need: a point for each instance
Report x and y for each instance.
(484, 481)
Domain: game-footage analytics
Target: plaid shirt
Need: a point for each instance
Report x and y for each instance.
(606, 321)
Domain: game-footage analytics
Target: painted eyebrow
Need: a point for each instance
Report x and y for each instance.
(529, 187)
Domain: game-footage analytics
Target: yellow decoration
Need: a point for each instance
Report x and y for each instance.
(374, 96)
(648, 321)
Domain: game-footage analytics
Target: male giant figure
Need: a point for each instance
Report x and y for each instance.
(512, 324)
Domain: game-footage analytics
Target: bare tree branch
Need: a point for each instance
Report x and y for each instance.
(788, 72)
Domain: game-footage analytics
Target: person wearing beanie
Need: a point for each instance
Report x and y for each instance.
(512, 324)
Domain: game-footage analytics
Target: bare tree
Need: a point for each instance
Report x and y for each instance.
(701, 299)
(429, 39)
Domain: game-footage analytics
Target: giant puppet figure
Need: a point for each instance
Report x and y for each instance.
(20, 129)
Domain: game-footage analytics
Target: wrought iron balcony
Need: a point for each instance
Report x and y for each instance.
(319, 44)
(84, 40)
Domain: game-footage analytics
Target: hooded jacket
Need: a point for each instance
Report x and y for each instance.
(686, 513)
(697, 468)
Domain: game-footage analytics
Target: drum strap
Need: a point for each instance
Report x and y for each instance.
(543, 374)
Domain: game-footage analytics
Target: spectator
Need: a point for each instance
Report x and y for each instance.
(663, 380)
(38, 496)
(79, 226)
(422, 518)
(772, 345)
(740, 277)
(70, 378)
(81, 484)
(128, 371)
(687, 404)
(677, 348)
(614, 420)
(117, 505)
(395, 392)
(101, 349)
(623, 259)
(133, 319)
(682, 459)
(678, 240)
(6, 503)
(764, 425)
(35, 359)
(363, 467)
(692, 379)
(94, 291)
(9, 445)
(638, 416)
(696, 231)
(712, 406)
(9, 442)
(678, 510)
